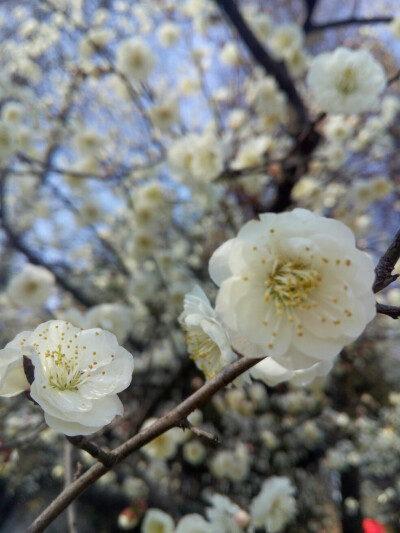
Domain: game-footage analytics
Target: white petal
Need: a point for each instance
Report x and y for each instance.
(219, 262)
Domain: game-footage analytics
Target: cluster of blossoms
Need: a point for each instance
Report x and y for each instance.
(272, 509)
(152, 165)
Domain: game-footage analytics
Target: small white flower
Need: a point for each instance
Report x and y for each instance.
(208, 344)
(286, 37)
(194, 523)
(12, 376)
(31, 287)
(293, 286)
(135, 59)
(197, 157)
(77, 375)
(168, 34)
(165, 114)
(194, 452)
(88, 141)
(115, 318)
(165, 445)
(346, 81)
(156, 521)
(222, 514)
(275, 506)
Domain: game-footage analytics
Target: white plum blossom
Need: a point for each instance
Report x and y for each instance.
(157, 521)
(135, 59)
(207, 341)
(346, 81)
(31, 287)
(196, 157)
(165, 114)
(223, 514)
(194, 523)
(274, 507)
(12, 376)
(168, 33)
(115, 318)
(165, 445)
(293, 286)
(77, 375)
(285, 38)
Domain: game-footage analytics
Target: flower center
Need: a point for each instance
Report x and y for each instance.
(290, 283)
(203, 351)
(62, 372)
(347, 82)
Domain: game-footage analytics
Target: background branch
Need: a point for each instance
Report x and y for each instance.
(264, 59)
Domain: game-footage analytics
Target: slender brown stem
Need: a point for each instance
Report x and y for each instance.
(170, 420)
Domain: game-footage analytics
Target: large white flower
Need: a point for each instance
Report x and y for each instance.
(346, 81)
(207, 341)
(293, 286)
(274, 507)
(77, 375)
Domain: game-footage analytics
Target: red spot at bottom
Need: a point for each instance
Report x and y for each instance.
(373, 526)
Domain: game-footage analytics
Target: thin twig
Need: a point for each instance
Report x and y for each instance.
(351, 21)
(185, 424)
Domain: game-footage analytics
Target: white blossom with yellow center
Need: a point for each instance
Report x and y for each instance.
(77, 375)
(207, 341)
(346, 81)
(293, 286)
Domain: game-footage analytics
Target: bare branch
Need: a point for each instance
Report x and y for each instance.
(170, 420)
(185, 424)
(351, 21)
(263, 58)
(386, 265)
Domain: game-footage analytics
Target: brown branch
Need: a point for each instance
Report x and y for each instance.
(386, 264)
(107, 458)
(356, 21)
(17, 242)
(263, 58)
(170, 420)
(388, 310)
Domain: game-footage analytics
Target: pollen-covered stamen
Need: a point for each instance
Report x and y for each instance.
(62, 372)
(203, 350)
(290, 283)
